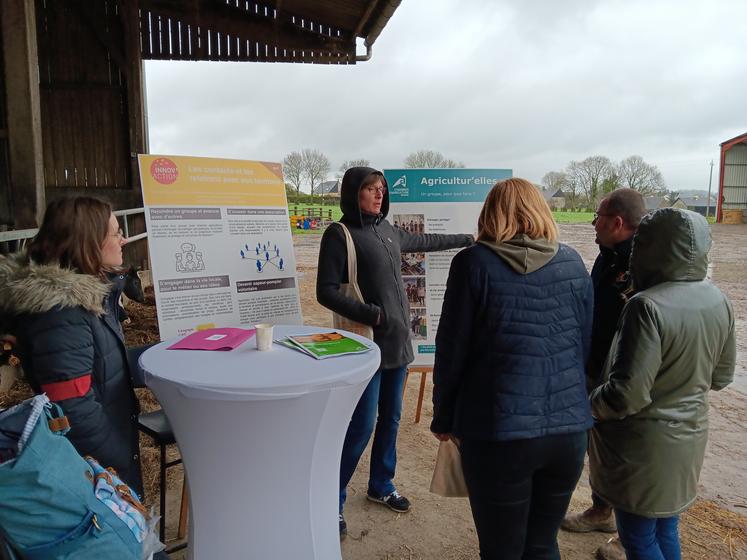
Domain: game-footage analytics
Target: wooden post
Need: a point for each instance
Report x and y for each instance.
(24, 112)
(135, 93)
(423, 370)
(183, 511)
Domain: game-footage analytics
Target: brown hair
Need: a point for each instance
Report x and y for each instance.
(72, 234)
(628, 204)
(515, 206)
(372, 178)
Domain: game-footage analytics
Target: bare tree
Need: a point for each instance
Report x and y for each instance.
(672, 197)
(636, 174)
(554, 181)
(430, 159)
(293, 170)
(589, 175)
(316, 167)
(347, 164)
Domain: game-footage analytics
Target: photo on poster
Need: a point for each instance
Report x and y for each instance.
(418, 323)
(412, 264)
(415, 290)
(411, 223)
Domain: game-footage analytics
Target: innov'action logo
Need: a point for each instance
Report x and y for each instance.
(164, 171)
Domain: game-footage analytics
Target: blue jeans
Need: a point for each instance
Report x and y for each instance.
(383, 393)
(648, 538)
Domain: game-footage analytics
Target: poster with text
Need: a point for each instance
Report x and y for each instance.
(220, 243)
(434, 201)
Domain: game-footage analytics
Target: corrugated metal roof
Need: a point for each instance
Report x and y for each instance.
(735, 140)
(317, 32)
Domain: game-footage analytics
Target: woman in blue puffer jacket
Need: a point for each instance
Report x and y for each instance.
(509, 379)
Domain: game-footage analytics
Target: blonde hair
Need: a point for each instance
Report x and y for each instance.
(512, 207)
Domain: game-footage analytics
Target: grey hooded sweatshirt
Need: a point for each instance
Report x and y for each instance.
(378, 246)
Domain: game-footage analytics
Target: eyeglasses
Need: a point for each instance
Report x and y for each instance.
(597, 216)
(373, 190)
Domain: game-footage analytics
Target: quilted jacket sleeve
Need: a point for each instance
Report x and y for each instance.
(59, 346)
(635, 361)
(452, 344)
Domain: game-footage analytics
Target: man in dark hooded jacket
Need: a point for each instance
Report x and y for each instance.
(364, 201)
(615, 222)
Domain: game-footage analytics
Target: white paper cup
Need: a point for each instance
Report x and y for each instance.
(264, 336)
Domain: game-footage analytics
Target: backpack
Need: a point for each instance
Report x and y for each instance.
(56, 505)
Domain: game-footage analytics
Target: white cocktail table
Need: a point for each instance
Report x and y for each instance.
(261, 435)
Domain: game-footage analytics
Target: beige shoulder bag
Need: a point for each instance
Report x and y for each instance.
(352, 291)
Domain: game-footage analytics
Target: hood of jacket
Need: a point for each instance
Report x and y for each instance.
(351, 186)
(26, 287)
(524, 254)
(671, 245)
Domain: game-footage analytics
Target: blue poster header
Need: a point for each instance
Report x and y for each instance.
(442, 185)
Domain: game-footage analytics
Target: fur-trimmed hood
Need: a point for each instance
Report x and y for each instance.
(26, 287)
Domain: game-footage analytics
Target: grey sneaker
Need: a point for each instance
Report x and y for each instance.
(393, 501)
(590, 520)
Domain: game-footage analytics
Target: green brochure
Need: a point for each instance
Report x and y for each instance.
(325, 345)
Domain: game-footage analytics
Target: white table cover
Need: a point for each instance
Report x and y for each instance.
(260, 435)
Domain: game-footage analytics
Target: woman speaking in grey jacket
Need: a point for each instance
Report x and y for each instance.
(364, 200)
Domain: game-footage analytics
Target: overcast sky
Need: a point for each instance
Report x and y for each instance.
(520, 84)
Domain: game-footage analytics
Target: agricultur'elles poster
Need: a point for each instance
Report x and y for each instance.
(434, 201)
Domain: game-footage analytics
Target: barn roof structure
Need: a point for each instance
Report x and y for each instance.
(72, 115)
(732, 183)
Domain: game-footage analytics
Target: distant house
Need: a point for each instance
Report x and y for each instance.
(555, 199)
(696, 204)
(329, 188)
(656, 202)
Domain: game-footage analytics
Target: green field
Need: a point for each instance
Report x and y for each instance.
(566, 217)
(560, 217)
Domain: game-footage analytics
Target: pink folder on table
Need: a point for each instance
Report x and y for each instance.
(214, 339)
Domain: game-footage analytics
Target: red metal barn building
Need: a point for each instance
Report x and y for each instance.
(732, 183)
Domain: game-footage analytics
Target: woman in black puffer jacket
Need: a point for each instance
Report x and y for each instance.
(509, 377)
(57, 300)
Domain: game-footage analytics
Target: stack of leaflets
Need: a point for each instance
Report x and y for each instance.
(324, 345)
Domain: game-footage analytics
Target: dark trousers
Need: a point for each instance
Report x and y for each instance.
(519, 492)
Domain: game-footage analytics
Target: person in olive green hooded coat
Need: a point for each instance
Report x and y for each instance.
(675, 341)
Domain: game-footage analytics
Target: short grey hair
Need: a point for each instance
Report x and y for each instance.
(628, 204)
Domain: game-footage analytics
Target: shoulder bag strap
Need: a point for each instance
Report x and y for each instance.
(352, 262)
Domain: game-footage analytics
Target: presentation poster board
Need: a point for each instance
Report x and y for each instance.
(220, 243)
(434, 201)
